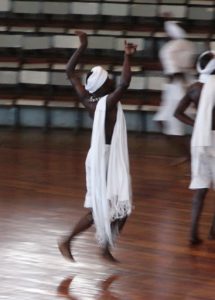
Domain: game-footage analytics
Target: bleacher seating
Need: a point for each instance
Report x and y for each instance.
(37, 39)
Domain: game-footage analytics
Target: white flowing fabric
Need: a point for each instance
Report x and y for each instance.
(109, 186)
(118, 177)
(202, 128)
(203, 78)
(174, 30)
(171, 96)
(177, 56)
(202, 132)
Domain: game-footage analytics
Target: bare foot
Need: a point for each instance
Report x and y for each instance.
(63, 288)
(64, 248)
(105, 284)
(108, 256)
(195, 241)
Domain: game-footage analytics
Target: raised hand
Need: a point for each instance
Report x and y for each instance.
(82, 37)
(130, 48)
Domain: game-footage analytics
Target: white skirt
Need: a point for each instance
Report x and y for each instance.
(88, 202)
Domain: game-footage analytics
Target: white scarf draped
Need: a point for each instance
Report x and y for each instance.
(110, 187)
(203, 78)
(202, 131)
(202, 128)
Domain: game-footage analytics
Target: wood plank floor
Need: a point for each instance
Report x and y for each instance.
(42, 187)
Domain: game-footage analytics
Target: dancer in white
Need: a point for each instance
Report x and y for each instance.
(202, 95)
(177, 57)
(108, 196)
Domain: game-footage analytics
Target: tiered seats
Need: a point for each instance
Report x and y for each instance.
(37, 38)
(122, 14)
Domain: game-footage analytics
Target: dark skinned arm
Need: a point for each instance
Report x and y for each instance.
(71, 65)
(180, 110)
(114, 97)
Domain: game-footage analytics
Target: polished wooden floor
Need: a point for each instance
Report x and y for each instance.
(42, 187)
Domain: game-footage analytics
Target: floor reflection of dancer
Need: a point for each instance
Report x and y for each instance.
(202, 95)
(107, 166)
(64, 289)
(176, 57)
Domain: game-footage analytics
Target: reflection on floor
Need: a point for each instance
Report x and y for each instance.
(42, 187)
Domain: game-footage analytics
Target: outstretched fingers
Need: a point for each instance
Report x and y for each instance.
(130, 48)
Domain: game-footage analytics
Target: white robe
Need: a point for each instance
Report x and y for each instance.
(171, 96)
(176, 56)
(108, 174)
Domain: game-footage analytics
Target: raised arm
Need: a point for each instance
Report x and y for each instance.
(72, 63)
(115, 96)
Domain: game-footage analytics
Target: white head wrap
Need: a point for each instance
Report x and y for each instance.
(209, 68)
(173, 30)
(96, 79)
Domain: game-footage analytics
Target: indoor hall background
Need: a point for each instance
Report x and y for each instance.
(42, 175)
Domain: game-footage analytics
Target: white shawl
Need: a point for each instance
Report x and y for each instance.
(202, 128)
(202, 131)
(111, 189)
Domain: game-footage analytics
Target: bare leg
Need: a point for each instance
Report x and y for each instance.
(212, 230)
(197, 207)
(116, 226)
(183, 146)
(83, 224)
(160, 125)
(107, 254)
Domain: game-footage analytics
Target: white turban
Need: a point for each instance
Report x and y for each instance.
(210, 67)
(96, 79)
(173, 30)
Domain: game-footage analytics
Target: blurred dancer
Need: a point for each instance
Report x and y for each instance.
(177, 57)
(202, 95)
(108, 195)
